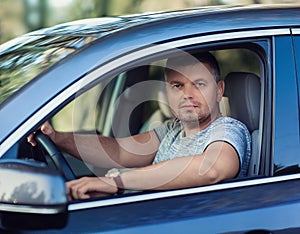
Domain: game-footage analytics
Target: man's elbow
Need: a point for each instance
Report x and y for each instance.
(214, 175)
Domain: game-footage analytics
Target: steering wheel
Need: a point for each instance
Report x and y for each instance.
(56, 156)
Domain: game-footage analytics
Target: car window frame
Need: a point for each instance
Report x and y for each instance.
(292, 64)
(137, 197)
(105, 71)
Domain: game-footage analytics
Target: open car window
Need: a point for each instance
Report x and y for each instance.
(133, 101)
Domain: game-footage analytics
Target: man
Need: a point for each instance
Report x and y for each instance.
(199, 147)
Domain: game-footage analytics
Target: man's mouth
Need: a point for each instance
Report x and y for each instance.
(188, 106)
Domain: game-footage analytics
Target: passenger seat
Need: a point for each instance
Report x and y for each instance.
(243, 90)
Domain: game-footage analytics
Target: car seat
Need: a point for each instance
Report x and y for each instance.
(162, 114)
(243, 90)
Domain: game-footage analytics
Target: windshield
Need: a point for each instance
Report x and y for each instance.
(22, 59)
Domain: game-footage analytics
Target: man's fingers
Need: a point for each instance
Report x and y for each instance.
(78, 189)
(45, 128)
(31, 139)
(86, 187)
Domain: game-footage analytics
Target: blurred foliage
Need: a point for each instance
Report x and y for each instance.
(20, 16)
(96, 8)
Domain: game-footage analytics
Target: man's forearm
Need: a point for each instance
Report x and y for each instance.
(107, 152)
(173, 174)
(93, 149)
(220, 161)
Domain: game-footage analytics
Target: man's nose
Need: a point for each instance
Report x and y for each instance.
(189, 91)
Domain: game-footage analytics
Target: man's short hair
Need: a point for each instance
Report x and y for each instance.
(190, 59)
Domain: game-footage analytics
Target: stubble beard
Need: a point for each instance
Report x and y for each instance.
(192, 119)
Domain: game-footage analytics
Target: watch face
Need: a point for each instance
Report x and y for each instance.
(114, 172)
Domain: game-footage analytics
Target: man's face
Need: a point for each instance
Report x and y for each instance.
(193, 93)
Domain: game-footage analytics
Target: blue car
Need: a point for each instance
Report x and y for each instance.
(104, 76)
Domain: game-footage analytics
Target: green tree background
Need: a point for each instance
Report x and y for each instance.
(20, 16)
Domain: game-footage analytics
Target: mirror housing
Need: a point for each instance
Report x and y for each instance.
(31, 196)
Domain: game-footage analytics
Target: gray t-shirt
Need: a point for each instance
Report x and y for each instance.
(175, 144)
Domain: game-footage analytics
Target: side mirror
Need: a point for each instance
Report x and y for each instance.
(31, 196)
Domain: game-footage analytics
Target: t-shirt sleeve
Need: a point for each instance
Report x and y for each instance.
(235, 133)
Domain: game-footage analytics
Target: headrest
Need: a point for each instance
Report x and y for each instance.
(163, 105)
(243, 92)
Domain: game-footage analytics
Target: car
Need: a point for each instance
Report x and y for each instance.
(105, 76)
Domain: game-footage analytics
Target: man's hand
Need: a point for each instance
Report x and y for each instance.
(46, 129)
(89, 187)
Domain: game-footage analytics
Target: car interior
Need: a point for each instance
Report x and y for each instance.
(134, 101)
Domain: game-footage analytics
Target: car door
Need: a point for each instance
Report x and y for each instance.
(237, 205)
(226, 207)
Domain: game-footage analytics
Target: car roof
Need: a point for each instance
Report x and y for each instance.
(252, 15)
(215, 18)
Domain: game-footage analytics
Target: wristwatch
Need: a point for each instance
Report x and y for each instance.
(114, 174)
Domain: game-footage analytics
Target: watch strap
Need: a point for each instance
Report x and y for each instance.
(115, 173)
(119, 184)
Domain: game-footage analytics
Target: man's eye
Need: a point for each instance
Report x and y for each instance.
(200, 84)
(176, 86)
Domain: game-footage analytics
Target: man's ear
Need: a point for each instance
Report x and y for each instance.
(221, 89)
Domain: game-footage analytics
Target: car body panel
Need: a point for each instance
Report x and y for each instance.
(269, 203)
(269, 206)
(285, 92)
